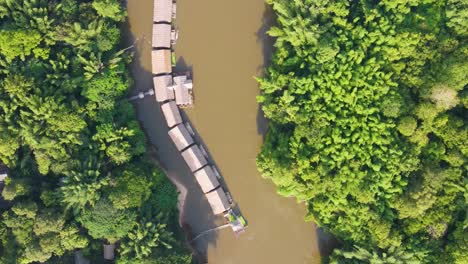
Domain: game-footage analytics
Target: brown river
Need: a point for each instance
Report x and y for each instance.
(223, 42)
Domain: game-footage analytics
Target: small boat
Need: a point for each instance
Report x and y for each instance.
(237, 222)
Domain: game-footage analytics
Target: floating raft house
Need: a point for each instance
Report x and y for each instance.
(162, 35)
(218, 201)
(161, 62)
(163, 11)
(207, 179)
(194, 158)
(162, 93)
(171, 113)
(181, 137)
(183, 90)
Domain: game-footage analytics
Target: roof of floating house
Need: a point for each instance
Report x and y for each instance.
(162, 92)
(162, 11)
(161, 61)
(109, 251)
(207, 179)
(183, 90)
(162, 34)
(194, 158)
(181, 137)
(171, 113)
(218, 201)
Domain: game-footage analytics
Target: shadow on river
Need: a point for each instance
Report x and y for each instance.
(224, 42)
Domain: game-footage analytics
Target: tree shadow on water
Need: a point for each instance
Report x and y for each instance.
(267, 42)
(326, 242)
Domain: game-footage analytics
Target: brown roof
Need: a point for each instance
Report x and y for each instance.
(109, 251)
(161, 36)
(161, 61)
(218, 201)
(207, 179)
(183, 89)
(181, 137)
(194, 158)
(162, 11)
(171, 113)
(162, 92)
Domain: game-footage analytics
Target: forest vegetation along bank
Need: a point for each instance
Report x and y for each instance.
(78, 171)
(368, 108)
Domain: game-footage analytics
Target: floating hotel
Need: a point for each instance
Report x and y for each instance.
(172, 91)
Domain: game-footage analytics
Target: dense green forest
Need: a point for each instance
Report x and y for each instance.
(368, 107)
(78, 174)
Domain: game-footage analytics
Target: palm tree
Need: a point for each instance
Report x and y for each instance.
(145, 236)
(82, 187)
(392, 255)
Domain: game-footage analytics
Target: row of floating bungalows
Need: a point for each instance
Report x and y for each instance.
(195, 157)
(167, 87)
(176, 91)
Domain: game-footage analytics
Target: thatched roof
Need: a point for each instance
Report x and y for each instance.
(207, 179)
(161, 36)
(181, 137)
(183, 90)
(218, 201)
(162, 92)
(109, 251)
(171, 113)
(161, 61)
(162, 11)
(194, 158)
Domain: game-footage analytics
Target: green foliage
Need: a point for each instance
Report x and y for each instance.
(20, 43)
(361, 255)
(164, 195)
(170, 259)
(104, 221)
(81, 187)
(407, 125)
(69, 136)
(48, 222)
(15, 188)
(131, 188)
(109, 8)
(458, 248)
(457, 15)
(367, 124)
(145, 236)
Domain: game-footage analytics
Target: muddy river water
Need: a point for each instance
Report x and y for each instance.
(223, 42)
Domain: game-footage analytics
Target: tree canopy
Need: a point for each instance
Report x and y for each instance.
(367, 124)
(78, 174)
